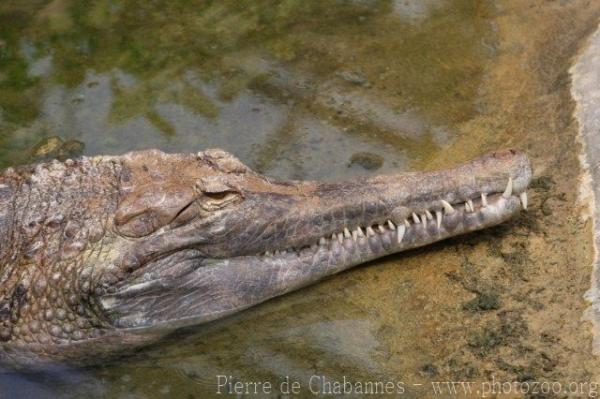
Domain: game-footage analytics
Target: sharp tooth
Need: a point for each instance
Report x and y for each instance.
(508, 192)
(468, 207)
(470, 202)
(360, 232)
(333, 237)
(391, 225)
(484, 199)
(346, 232)
(268, 253)
(415, 218)
(401, 230)
(423, 218)
(370, 232)
(381, 229)
(447, 207)
(277, 252)
(523, 197)
(354, 235)
(438, 217)
(340, 238)
(323, 241)
(406, 223)
(429, 215)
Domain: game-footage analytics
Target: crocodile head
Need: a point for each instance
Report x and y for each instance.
(194, 238)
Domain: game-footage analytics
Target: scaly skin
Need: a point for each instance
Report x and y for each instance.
(105, 254)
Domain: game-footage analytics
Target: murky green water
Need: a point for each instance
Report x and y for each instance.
(293, 88)
(296, 89)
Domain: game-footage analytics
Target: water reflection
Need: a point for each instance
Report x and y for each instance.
(396, 77)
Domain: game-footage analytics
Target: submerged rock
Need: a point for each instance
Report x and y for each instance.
(46, 147)
(367, 160)
(55, 147)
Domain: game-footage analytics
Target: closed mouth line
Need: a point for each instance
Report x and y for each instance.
(393, 232)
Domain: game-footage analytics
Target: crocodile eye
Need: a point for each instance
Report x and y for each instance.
(217, 192)
(215, 201)
(217, 196)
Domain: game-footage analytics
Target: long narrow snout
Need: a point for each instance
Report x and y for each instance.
(431, 205)
(409, 210)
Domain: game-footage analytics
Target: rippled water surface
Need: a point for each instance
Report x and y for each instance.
(296, 89)
(293, 88)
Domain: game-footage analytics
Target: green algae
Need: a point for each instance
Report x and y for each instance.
(432, 67)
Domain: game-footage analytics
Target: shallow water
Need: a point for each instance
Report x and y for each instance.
(292, 88)
(307, 90)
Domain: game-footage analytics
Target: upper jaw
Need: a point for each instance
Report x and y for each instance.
(471, 196)
(395, 233)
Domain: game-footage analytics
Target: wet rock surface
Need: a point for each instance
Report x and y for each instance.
(586, 91)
